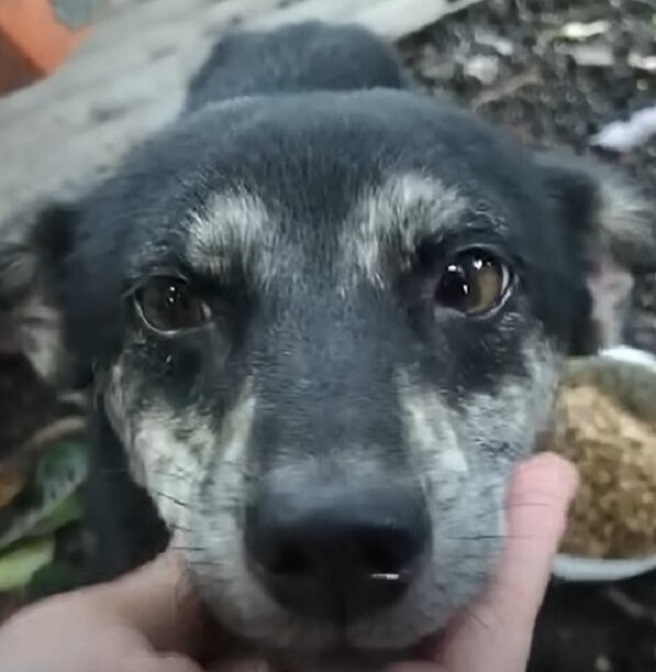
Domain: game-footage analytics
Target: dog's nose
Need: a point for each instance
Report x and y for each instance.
(336, 552)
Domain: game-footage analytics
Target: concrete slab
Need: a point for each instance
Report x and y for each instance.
(130, 78)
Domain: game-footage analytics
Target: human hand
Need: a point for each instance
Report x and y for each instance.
(495, 634)
(129, 625)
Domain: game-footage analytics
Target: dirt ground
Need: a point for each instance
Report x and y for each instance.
(554, 72)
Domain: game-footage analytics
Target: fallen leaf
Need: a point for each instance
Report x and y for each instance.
(15, 471)
(68, 511)
(59, 474)
(18, 566)
(65, 428)
(13, 478)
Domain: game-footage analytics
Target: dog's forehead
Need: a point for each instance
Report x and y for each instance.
(273, 239)
(320, 178)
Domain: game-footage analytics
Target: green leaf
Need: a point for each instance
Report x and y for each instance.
(17, 567)
(67, 512)
(58, 476)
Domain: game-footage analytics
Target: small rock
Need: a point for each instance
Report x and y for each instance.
(503, 46)
(483, 68)
(602, 664)
(434, 66)
(440, 72)
(644, 63)
(590, 55)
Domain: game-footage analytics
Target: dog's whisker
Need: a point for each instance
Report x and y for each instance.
(164, 495)
(189, 549)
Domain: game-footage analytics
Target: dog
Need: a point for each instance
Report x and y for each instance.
(322, 315)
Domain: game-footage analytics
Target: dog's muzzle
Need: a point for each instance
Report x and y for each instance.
(336, 552)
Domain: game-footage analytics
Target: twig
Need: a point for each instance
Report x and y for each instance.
(53, 432)
(629, 606)
(507, 88)
(25, 455)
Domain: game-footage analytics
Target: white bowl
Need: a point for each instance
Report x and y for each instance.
(579, 569)
(582, 569)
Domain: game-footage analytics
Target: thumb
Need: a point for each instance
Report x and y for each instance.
(497, 635)
(159, 602)
(149, 663)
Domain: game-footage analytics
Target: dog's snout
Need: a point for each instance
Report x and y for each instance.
(333, 551)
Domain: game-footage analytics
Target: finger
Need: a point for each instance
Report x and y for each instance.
(496, 635)
(241, 665)
(147, 662)
(538, 502)
(416, 666)
(160, 603)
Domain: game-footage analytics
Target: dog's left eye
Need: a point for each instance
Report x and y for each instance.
(474, 282)
(170, 305)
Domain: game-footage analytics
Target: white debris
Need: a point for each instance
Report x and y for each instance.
(590, 55)
(503, 46)
(645, 63)
(483, 68)
(577, 31)
(622, 136)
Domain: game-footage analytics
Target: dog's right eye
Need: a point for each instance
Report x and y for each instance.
(170, 305)
(473, 283)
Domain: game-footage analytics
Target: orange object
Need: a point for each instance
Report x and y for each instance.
(33, 42)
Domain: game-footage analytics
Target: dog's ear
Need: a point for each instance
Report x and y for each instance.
(613, 225)
(33, 259)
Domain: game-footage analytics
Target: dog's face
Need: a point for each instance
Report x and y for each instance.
(326, 328)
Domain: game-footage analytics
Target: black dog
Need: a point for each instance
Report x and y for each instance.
(323, 317)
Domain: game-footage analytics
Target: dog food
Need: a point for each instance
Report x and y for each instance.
(614, 514)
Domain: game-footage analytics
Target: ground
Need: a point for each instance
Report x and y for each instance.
(554, 72)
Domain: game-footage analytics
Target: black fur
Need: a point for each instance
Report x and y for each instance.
(296, 60)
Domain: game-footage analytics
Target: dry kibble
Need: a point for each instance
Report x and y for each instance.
(614, 513)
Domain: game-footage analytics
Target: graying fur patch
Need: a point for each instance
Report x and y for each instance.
(234, 225)
(468, 498)
(465, 459)
(522, 408)
(404, 209)
(610, 288)
(626, 240)
(169, 467)
(626, 222)
(430, 434)
(38, 332)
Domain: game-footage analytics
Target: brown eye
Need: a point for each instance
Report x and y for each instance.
(473, 283)
(169, 304)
